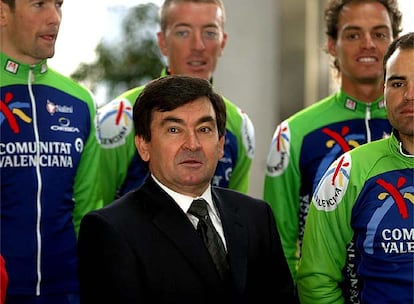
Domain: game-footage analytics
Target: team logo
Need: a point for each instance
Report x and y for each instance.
(394, 194)
(12, 67)
(64, 126)
(350, 104)
(11, 110)
(278, 158)
(333, 184)
(79, 145)
(114, 123)
(248, 134)
(340, 139)
(53, 108)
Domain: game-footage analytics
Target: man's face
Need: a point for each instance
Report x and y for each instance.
(184, 148)
(29, 32)
(364, 34)
(399, 91)
(194, 39)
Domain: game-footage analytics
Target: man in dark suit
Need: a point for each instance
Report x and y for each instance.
(152, 245)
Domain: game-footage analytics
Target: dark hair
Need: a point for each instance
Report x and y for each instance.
(10, 3)
(405, 42)
(167, 3)
(334, 8)
(170, 92)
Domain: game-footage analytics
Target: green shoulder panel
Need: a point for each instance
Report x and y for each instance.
(239, 124)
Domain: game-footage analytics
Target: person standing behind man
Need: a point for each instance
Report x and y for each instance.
(192, 38)
(177, 239)
(305, 144)
(49, 157)
(367, 194)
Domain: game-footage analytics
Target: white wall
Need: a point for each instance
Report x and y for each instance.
(247, 73)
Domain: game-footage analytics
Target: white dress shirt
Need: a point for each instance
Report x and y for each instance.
(185, 201)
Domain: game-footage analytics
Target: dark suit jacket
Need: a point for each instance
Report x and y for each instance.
(143, 249)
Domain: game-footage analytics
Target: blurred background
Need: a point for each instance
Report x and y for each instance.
(273, 64)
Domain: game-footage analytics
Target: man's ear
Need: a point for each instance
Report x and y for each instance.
(221, 147)
(142, 148)
(331, 47)
(162, 44)
(223, 43)
(4, 10)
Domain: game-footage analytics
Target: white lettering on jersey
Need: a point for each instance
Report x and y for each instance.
(52, 154)
(333, 184)
(398, 240)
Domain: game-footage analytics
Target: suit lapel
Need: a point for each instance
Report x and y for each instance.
(173, 222)
(236, 239)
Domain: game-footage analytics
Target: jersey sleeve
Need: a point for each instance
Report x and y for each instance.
(240, 177)
(87, 190)
(281, 191)
(327, 234)
(241, 126)
(116, 134)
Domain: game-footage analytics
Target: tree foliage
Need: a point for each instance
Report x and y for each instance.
(128, 61)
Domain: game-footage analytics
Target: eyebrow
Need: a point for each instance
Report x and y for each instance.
(354, 27)
(208, 25)
(207, 118)
(396, 77)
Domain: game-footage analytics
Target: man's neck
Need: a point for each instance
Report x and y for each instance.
(366, 92)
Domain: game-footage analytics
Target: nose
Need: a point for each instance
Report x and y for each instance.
(368, 42)
(192, 142)
(409, 93)
(198, 41)
(55, 14)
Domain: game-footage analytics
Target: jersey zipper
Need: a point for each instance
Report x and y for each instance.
(39, 182)
(367, 119)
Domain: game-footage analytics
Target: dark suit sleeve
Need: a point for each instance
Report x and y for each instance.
(284, 285)
(108, 271)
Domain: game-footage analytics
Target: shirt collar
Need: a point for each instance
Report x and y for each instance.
(184, 201)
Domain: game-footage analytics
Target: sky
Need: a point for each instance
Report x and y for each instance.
(85, 22)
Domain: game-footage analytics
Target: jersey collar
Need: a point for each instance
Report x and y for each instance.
(11, 66)
(356, 105)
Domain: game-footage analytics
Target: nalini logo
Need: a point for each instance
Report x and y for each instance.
(64, 126)
(115, 123)
(53, 108)
(333, 184)
(11, 110)
(278, 158)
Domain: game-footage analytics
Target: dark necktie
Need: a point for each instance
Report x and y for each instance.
(210, 235)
